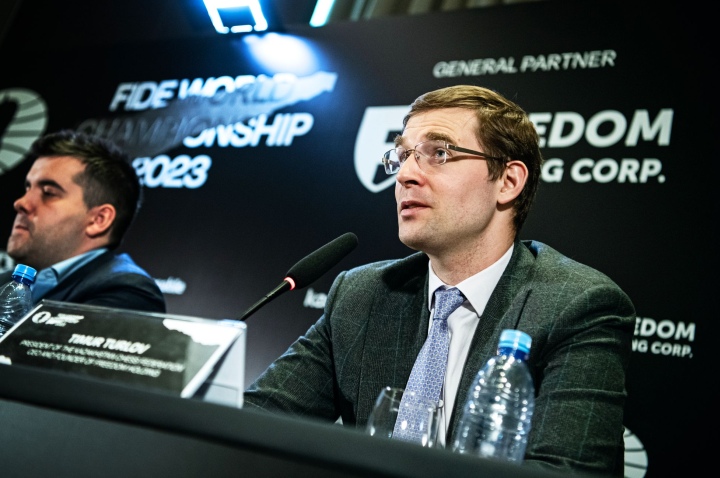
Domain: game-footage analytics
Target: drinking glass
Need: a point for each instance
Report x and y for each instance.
(422, 428)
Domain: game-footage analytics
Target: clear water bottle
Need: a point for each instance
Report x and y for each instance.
(16, 297)
(498, 412)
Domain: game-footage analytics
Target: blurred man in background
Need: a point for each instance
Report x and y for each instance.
(81, 196)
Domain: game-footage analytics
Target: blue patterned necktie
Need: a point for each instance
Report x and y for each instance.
(428, 373)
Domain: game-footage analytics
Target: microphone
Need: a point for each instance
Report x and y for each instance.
(310, 268)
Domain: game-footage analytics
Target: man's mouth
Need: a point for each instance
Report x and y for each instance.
(21, 224)
(407, 206)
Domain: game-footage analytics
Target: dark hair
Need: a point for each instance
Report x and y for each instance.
(504, 130)
(108, 178)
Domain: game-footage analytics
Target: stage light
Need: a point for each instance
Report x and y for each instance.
(321, 13)
(236, 16)
(280, 53)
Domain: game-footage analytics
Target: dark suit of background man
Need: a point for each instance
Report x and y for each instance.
(468, 166)
(81, 196)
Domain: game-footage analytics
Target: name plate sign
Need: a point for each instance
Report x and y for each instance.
(166, 352)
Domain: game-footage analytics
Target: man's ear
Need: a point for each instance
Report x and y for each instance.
(512, 181)
(100, 219)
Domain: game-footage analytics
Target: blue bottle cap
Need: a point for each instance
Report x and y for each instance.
(26, 272)
(516, 339)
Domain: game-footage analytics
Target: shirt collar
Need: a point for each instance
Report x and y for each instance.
(48, 278)
(64, 268)
(477, 288)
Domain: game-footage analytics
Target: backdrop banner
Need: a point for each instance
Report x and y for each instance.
(255, 150)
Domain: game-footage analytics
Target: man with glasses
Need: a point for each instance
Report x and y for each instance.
(467, 168)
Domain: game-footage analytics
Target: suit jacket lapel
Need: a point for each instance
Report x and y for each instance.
(397, 329)
(502, 311)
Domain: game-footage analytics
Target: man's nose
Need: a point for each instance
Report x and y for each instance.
(22, 203)
(410, 168)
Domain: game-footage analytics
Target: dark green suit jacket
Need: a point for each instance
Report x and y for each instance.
(376, 320)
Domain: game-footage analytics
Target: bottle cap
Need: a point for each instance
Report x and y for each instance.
(516, 339)
(26, 272)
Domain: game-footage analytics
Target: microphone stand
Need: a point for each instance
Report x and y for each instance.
(284, 286)
(309, 268)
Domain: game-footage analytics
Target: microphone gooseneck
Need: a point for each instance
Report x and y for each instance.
(308, 269)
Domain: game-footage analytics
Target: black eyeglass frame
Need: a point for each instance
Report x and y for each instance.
(385, 160)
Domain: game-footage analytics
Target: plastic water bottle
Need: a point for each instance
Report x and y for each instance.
(497, 416)
(16, 297)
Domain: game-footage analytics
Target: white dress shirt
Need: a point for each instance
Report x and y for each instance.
(462, 324)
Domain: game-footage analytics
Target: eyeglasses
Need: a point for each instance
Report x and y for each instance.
(432, 153)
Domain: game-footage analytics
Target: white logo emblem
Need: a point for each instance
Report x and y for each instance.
(636, 459)
(377, 132)
(61, 320)
(23, 117)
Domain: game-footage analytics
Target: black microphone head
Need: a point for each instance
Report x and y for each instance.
(317, 263)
